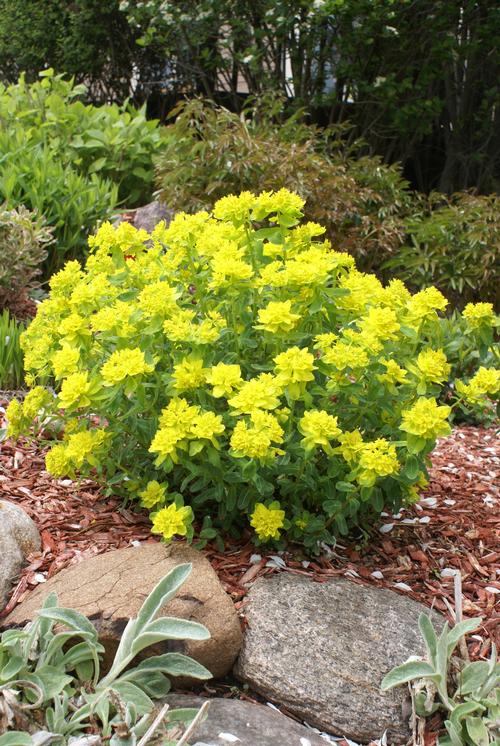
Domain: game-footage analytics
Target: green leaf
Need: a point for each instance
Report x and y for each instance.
(461, 629)
(442, 653)
(58, 641)
(78, 654)
(162, 593)
(478, 732)
(169, 628)
(412, 467)
(175, 664)
(346, 487)
(429, 634)
(407, 672)
(130, 693)
(51, 679)
(182, 715)
(71, 618)
(12, 668)
(455, 737)
(473, 676)
(154, 683)
(461, 711)
(16, 738)
(85, 670)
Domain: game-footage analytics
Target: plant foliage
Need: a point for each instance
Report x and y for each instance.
(71, 162)
(23, 247)
(209, 152)
(236, 362)
(472, 709)
(11, 355)
(427, 99)
(455, 244)
(50, 676)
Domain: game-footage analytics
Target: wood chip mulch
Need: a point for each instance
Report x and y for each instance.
(455, 526)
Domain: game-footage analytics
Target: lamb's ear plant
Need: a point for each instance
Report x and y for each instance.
(469, 693)
(51, 688)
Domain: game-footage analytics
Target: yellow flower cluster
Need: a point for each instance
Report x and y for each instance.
(181, 427)
(433, 366)
(377, 459)
(294, 370)
(267, 521)
(318, 428)
(240, 354)
(486, 382)
(80, 448)
(172, 521)
(255, 440)
(479, 314)
(426, 419)
(153, 493)
(124, 363)
(277, 316)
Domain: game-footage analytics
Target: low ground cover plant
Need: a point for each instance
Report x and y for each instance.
(234, 368)
(467, 694)
(52, 688)
(71, 162)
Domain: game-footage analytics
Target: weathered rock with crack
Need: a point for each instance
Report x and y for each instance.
(322, 649)
(18, 537)
(111, 587)
(231, 721)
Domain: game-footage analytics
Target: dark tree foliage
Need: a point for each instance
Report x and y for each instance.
(419, 79)
(89, 39)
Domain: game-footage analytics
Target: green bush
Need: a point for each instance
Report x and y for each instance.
(210, 152)
(455, 244)
(23, 247)
(235, 362)
(11, 355)
(51, 683)
(71, 162)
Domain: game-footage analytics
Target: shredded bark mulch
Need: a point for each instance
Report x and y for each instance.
(454, 527)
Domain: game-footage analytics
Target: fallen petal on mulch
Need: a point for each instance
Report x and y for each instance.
(454, 527)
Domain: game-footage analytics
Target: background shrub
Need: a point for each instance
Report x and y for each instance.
(365, 205)
(455, 244)
(71, 162)
(236, 362)
(210, 152)
(23, 246)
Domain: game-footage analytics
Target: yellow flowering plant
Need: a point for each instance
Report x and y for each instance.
(233, 372)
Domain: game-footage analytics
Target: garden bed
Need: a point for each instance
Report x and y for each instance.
(455, 526)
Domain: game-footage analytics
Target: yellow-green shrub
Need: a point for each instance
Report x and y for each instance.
(234, 368)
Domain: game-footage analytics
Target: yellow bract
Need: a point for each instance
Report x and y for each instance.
(172, 521)
(267, 521)
(426, 419)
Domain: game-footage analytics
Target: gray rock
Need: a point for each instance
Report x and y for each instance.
(322, 649)
(18, 538)
(110, 588)
(251, 725)
(149, 216)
